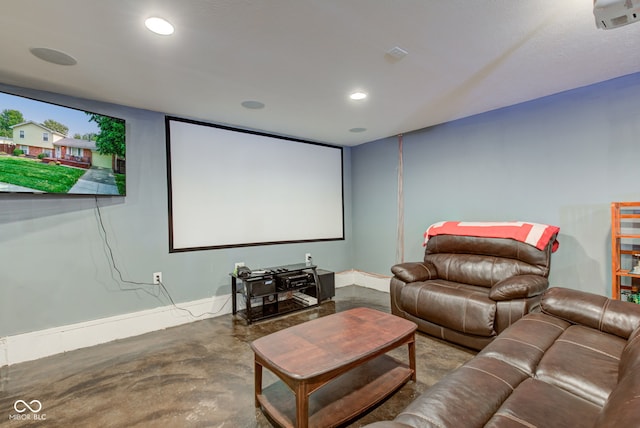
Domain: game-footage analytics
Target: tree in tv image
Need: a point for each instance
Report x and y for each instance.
(47, 148)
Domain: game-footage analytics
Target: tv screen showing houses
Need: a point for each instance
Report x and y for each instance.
(48, 148)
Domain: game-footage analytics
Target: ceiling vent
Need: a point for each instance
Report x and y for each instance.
(396, 53)
(615, 13)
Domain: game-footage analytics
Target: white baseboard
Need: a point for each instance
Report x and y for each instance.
(42, 343)
(4, 358)
(38, 344)
(363, 279)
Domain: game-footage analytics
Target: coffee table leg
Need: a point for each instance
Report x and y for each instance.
(302, 406)
(412, 358)
(258, 382)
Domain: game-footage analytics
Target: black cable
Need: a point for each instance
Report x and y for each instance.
(166, 292)
(112, 258)
(162, 287)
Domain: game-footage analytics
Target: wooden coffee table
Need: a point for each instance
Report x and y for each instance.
(332, 368)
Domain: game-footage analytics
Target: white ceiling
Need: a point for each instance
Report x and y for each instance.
(302, 58)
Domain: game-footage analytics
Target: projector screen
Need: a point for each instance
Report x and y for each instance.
(230, 188)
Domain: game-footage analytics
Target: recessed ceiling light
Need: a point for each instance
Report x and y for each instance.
(358, 95)
(254, 105)
(159, 26)
(53, 56)
(357, 129)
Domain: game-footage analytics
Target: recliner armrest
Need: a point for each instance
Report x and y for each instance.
(519, 287)
(414, 271)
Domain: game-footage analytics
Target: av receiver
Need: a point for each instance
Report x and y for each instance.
(292, 281)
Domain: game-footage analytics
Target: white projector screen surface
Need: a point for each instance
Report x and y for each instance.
(230, 188)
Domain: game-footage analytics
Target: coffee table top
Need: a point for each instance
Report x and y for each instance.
(332, 342)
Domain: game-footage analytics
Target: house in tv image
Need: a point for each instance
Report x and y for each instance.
(36, 140)
(6, 144)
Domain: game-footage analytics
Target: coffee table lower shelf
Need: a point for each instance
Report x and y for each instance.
(343, 398)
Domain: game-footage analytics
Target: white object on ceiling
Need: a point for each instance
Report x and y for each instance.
(615, 13)
(300, 59)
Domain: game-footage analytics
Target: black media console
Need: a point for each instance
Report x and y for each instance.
(279, 290)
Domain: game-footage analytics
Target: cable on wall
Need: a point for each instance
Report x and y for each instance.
(400, 220)
(142, 286)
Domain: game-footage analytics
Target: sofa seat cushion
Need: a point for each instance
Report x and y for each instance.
(524, 343)
(532, 403)
(583, 361)
(452, 403)
(460, 307)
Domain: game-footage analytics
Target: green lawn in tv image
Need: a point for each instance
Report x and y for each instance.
(50, 178)
(37, 175)
(43, 177)
(48, 148)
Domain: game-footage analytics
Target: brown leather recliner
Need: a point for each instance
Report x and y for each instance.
(469, 289)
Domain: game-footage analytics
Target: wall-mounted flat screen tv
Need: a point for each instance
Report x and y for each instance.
(47, 148)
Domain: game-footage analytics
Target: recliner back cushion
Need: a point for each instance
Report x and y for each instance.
(475, 269)
(622, 408)
(536, 260)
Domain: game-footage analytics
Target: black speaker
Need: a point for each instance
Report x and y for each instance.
(327, 285)
(270, 304)
(260, 286)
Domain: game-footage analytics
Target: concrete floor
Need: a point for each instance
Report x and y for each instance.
(195, 375)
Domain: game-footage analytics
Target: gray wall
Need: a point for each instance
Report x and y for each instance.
(55, 268)
(560, 160)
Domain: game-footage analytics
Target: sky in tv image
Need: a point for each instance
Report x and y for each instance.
(76, 120)
(48, 148)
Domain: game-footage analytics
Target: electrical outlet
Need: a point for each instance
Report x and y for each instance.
(157, 278)
(307, 258)
(236, 266)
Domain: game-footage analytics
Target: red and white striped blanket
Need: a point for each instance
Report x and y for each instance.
(537, 235)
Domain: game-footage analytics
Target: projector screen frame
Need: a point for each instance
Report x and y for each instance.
(174, 248)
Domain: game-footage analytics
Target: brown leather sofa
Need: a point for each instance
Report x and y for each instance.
(469, 289)
(574, 364)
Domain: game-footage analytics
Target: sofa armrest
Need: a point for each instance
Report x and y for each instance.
(592, 310)
(519, 287)
(414, 271)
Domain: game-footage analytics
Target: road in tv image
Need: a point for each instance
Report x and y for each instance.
(39, 154)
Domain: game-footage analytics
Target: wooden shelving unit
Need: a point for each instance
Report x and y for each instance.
(625, 244)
